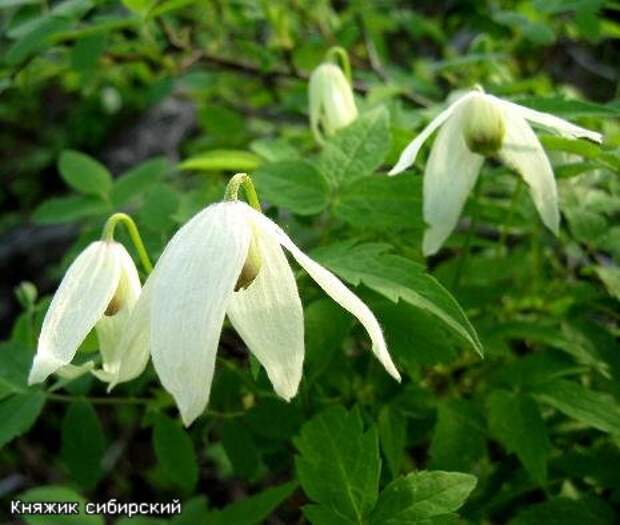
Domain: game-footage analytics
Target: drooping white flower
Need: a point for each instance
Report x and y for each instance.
(99, 290)
(205, 273)
(332, 105)
(475, 125)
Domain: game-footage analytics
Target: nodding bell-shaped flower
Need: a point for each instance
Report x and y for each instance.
(331, 101)
(228, 261)
(99, 290)
(474, 126)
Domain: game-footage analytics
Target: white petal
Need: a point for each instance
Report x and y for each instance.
(409, 154)
(450, 175)
(269, 317)
(112, 328)
(552, 122)
(523, 153)
(195, 280)
(336, 290)
(80, 301)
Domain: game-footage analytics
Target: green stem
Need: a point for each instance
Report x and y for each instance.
(136, 239)
(340, 56)
(468, 237)
(511, 211)
(232, 190)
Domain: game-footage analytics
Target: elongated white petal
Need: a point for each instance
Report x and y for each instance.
(451, 173)
(409, 154)
(551, 122)
(113, 325)
(80, 301)
(335, 289)
(195, 280)
(269, 317)
(523, 152)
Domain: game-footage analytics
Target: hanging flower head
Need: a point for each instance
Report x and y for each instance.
(332, 105)
(99, 290)
(474, 126)
(228, 261)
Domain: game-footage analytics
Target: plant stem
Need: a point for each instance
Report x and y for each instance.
(136, 239)
(63, 398)
(232, 190)
(339, 55)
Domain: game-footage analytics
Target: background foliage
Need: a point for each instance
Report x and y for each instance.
(148, 106)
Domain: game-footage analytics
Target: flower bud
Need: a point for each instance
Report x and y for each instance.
(483, 125)
(251, 267)
(332, 105)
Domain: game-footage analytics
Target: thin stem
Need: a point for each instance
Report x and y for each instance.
(340, 56)
(136, 239)
(98, 400)
(468, 238)
(511, 211)
(232, 190)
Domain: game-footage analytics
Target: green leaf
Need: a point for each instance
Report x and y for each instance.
(421, 497)
(222, 160)
(138, 180)
(393, 437)
(175, 453)
(296, 185)
(15, 363)
(515, 421)
(357, 150)
(84, 174)
(82, 443)
(559, 511)
(382, 203)
(610, 275)
(338, 463)
(569, 107)
(240, 448)
(69, 209)
(596, 409)
(86, 53)
(253, 510)
(18, 413)
(36, 39)
(398, 278)
(53, 493)
(459, 439)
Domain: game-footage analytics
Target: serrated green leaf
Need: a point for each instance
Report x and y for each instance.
(84, 174)
(296, 185)
(18, 413)
(422, 496)
(515, 421)
(53, 493)
(82, 443)
(175, 453)
(393, 437)
(357, 150)
(338, 463)
(398, 278)
(596, 409)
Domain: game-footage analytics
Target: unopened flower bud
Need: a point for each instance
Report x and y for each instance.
(483, 125)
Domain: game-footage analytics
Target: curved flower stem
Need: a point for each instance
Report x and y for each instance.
(232, 190)
(136, 239)
(340, 56)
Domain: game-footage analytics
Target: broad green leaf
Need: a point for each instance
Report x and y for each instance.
(393, 436)
(240, 448)
(84, 174)
(36, 39)
(561, 511)
(382, 203)
(18, 413)
(610, 275)
(296, 185)
(193, 512)
(175, 453)
(161, 203)
(222, 160)
(338, 463)
(421, 497)
(459, 439)
(138, 180)
(596, 409)
(569, 108)
(53, 493)
(515, 421)
(398, 278)
(581, 147)
(86, 53)
(15, 363)
(69, 209)
(82, 443)
(253, 510)
(357, 150)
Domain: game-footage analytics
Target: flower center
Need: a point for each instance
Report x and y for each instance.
(251, 267)
(483, 125)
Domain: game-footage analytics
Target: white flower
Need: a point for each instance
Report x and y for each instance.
(481, 123)
(332, 105)
(98, 291)
(193, 288)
